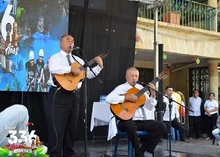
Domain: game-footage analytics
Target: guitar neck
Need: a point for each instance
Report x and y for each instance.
(89, 63)
(157, 79)
(142, 91)
(103, 55)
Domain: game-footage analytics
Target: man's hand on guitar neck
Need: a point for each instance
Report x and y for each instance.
(75, 71)
(99, 61)
(131, 97)
(152, 86)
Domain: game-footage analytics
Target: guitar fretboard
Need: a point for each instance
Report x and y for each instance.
(103, 55)
(142, 91)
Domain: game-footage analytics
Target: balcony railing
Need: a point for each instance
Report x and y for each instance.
(183, 12)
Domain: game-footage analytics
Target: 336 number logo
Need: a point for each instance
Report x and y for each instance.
(24, 137)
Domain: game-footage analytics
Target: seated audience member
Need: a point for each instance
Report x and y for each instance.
(175, 120)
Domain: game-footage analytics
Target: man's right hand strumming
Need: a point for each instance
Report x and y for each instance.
(131, 97)
(75, 71)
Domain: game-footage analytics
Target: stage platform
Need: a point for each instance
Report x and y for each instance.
(190, 148)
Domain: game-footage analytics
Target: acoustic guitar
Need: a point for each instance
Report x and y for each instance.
(68, 81)
(127, 109)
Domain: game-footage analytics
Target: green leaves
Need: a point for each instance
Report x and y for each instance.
(4, 152)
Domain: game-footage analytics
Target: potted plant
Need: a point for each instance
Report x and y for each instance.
(172, 17)
(172, 12)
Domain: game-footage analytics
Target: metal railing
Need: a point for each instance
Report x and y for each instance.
(183, 12)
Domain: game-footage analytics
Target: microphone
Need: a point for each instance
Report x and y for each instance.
(74, 48)
(141, 83)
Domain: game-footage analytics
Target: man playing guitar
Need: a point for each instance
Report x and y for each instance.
(140, 120)
(63, 105)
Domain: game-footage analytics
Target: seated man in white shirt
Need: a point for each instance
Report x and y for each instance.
(175, 120)
(140, 119)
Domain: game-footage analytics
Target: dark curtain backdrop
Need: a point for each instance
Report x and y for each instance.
(97, 26)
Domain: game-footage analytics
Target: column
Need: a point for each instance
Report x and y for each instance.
(213, 3)
(213, 77)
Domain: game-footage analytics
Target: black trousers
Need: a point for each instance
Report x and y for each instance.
(194, 126)
(211, 122)
(155, 128)
(62, 118)
(178, 126)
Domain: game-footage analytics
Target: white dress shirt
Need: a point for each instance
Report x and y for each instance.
(117, 96)
(59, 65)
(195, 105)
(174, 111)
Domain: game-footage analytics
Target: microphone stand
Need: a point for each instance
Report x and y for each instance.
(86, 64)
(170, 110)
(170, 124)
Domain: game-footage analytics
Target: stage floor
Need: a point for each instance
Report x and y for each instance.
(190, 148)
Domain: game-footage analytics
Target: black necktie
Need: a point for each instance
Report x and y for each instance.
(68, 59)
